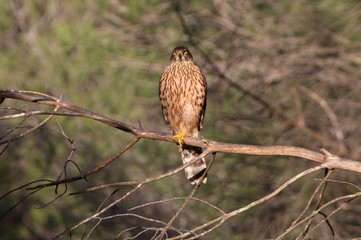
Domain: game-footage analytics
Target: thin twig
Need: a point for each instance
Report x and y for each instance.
(101, 211)
(29, 130)
(350, 196)
(176, 198)
(85, 175)
(330, 113)
(187, 199)
(253, 204)
(322, 185)
(146, 180)
(327, 217)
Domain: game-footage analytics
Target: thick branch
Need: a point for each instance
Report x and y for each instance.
(52, 101)
(329, 160)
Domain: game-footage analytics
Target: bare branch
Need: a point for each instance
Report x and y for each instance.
(326, 159)
(322, 185)
(187, 199)
(96, 215)
(29, 130)
(331, 161)
(251, 205)
(330, 113)
(83, 176)
(347, 197)
(52, 101)
(177, 198)
(147, 180)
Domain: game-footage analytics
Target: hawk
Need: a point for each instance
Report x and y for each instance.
(183, 96)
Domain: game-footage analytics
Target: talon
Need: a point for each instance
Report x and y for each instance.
(180, 137)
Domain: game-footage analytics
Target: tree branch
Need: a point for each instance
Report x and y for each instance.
(329, 160)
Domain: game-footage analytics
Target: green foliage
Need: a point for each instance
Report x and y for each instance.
(107, 56)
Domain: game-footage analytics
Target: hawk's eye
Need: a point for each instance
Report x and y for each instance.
(174, 53)
(185, 52)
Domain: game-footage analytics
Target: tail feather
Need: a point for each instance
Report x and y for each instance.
(195, 171)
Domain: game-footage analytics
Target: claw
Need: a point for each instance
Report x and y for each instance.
(180, 137)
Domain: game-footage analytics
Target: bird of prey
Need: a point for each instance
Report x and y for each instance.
(183, 96)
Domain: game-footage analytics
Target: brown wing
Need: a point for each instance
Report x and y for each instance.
(162, 94)
(204, 100)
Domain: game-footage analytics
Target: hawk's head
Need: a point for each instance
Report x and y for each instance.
(181, 54)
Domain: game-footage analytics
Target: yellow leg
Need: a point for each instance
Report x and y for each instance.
(180, 137)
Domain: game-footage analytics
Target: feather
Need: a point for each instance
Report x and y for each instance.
(183, 97)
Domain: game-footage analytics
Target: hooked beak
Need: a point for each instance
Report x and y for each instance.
(179, 55)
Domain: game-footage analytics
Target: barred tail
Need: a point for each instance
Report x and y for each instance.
(195, 171)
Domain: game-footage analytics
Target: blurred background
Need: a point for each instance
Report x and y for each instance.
(278, 73)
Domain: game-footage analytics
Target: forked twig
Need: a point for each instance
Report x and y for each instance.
(348, 197)
(187, 199)
(321, 186)
(226, 216)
